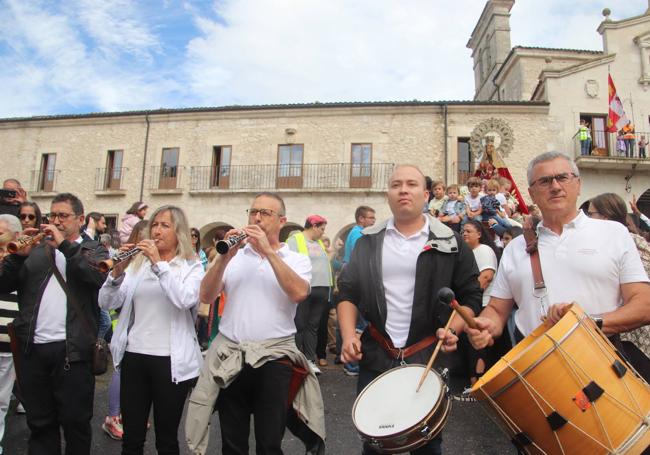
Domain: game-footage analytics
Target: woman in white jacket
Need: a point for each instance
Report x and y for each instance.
(154, 344)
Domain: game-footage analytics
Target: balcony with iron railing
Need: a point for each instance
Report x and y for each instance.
(166, 179)
(611, 151)
(311, 177)
(110, 181)
(43, 182)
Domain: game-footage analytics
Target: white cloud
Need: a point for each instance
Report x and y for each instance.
(105, 55)
(63, 59)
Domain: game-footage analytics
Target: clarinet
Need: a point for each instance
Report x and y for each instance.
(223, 246)
(107, 265)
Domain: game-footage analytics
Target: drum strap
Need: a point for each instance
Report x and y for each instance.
(531, 247)
(397, 353)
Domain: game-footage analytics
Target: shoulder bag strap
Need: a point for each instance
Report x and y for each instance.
(50, 253)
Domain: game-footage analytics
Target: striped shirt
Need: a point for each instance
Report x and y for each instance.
(8, 312)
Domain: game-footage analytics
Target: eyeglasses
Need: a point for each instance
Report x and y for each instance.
(27, 216)
(593, 214)
(547, 180)
(196, 236)
(266, 213)
(60, 215)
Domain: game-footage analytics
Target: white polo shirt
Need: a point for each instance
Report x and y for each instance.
(256, 306)
(399, 258)
(586, 264)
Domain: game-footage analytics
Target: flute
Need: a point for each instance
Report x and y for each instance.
(108, 264)
(223, 246)
(23, 242)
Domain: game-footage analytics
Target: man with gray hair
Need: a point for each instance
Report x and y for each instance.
(589, 261)
(9, 229)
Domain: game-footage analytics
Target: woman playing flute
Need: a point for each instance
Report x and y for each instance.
(154, 344)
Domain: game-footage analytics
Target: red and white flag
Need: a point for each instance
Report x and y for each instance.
(616, 118)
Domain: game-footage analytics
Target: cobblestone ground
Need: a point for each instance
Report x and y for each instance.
(468, 431)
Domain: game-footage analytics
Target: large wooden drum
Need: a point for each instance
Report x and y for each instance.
(565, 390)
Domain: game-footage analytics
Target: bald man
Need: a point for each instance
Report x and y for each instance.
(393, 278)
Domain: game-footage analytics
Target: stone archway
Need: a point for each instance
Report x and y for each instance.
(643, 202)
(209, 230)
(343, 232)
(288, 228)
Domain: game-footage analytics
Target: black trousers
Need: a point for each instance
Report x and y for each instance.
(308, 316)
(321, 343)
(57, 397)
(145, 381)
(262, 392)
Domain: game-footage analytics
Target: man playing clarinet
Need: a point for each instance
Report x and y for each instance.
(250, 365)
(393, 278)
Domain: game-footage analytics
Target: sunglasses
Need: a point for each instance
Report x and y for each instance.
(27, 216)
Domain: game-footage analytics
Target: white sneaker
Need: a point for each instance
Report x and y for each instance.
(314, 369)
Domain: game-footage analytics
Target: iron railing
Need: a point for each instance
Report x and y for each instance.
(291, 176)
(166, 177)
(110, 179)
(613, 145)
(44, 181)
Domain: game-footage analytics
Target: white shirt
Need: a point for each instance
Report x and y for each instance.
(586, 264)
(399, 258)
(152, 315)
(486, 259)
(53, 309)
(256, 306)
(180, 280)
(473, 203)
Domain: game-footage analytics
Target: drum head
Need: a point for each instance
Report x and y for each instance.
(389, 404)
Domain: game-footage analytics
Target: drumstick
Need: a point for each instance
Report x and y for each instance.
(435, 353)
(464, 313)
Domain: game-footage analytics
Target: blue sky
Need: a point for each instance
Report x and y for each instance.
(79, 56)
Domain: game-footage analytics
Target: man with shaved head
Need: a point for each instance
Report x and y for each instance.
(393, 278)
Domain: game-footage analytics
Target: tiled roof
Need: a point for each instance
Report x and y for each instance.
(260, 107)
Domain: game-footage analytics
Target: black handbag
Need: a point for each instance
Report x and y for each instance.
(99, 362)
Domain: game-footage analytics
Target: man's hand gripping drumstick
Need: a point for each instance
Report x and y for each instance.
(445, 337)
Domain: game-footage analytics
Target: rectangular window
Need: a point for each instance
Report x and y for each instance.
(47, 172)
(599, 137)
(464, 160)
(361, 166)
(289, 166)
(169, 168)
(220, 171)
(111, 222)
(114, 169)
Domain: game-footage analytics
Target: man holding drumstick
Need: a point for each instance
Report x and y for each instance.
(592, 262)
(393, 278)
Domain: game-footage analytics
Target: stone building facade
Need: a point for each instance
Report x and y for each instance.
(329, 158)
(574, 83)
(224, 156)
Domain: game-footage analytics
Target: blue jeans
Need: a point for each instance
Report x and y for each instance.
(585, 147)
(501, 226)
(104, 323)
(433, 447)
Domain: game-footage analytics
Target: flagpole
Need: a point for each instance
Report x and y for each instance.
(632, 107)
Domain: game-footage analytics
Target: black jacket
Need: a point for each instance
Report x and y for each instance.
(30, 275)
(444, 261)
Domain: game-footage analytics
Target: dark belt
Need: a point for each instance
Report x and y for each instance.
(400, 353)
